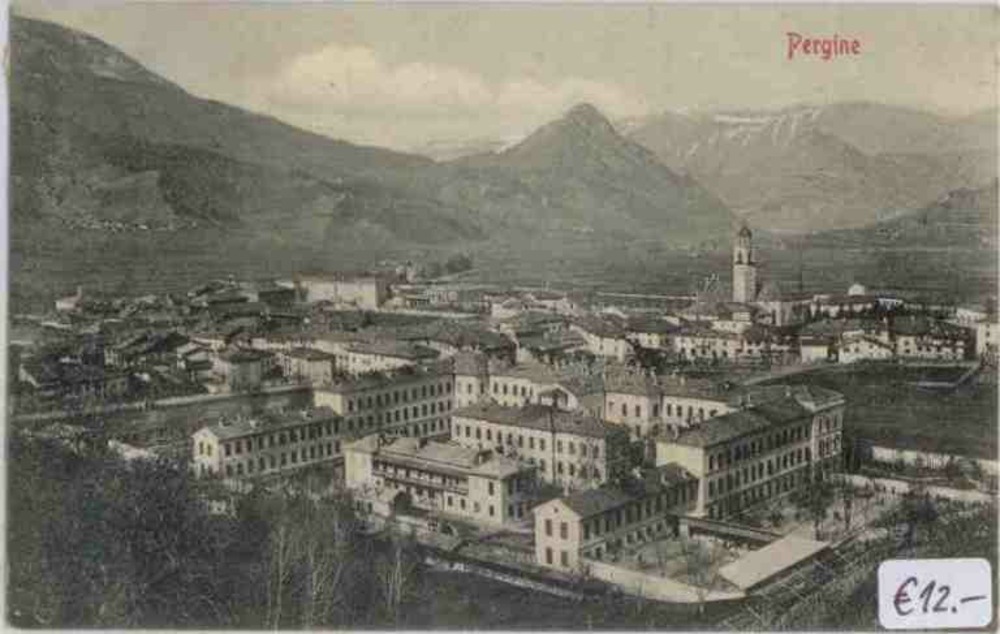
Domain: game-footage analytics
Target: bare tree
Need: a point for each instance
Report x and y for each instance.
(396, 573)
(700, 561)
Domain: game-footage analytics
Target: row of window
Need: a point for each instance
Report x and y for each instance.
(753, 448)
(273, 439)
(754, 472)
(750, 497)
(390, 470)
(275, 461)
(648, 533)
(402, 395)
(624, 516)
(403, 415)
(478, 432)
(513, 511)
(670, 410)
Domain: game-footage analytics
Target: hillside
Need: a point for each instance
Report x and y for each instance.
(578, 175)
(814, 168)
(121, 180)
(963, 219)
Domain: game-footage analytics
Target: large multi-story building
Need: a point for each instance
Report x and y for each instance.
(595, 523)
(755, 343)
(570, 449)
(381, 356)
(478, 378)
(368, 292)
(927, 338)
(650, 406)
(241, 368)
(414, 401)
(761, 451)
(267, 444)
(604, 338)
(307, 365)
(396, 474)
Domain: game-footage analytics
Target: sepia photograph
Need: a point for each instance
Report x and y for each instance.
(501, 316)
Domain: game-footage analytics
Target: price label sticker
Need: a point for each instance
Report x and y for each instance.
(934, 593)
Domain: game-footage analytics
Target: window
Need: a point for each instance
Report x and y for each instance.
(548, 556)
(638, 411)
(490, 487)
(548, 528)
(228, 448)
(563, 558)
(563, 530)
(541, 444)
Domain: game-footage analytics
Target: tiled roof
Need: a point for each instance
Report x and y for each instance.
(397, 349)
(268, 422)
(440, 456)
(596, 501)
(310, 354)
(536, 417)
(799, 402)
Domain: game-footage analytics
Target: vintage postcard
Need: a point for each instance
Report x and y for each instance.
(502, 316)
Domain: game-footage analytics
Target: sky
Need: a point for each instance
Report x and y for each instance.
(406, 75)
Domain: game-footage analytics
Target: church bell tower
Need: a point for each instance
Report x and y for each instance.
(744, 268)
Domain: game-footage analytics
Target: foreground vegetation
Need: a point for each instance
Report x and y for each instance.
(95, 541)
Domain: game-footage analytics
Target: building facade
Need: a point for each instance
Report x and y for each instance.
(364, 292)
(597, 523)
(399, 474)
(409, 402)
(760, 452)
(268, 444)
(569, 449)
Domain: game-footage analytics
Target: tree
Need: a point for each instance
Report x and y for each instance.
(917, 511)
(846, 494)
(814, 497)
(396, 574)
(700, 561)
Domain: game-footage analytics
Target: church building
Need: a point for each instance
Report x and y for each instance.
(773, 306)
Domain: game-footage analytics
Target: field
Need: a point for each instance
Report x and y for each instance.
(883, 405)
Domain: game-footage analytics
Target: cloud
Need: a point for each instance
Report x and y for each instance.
(353, 89)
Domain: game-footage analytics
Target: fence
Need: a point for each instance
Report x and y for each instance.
(901, 487)
(654, 587)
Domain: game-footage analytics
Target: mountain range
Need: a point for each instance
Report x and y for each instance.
(123, 181)
(815, 168)
(109, 159)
